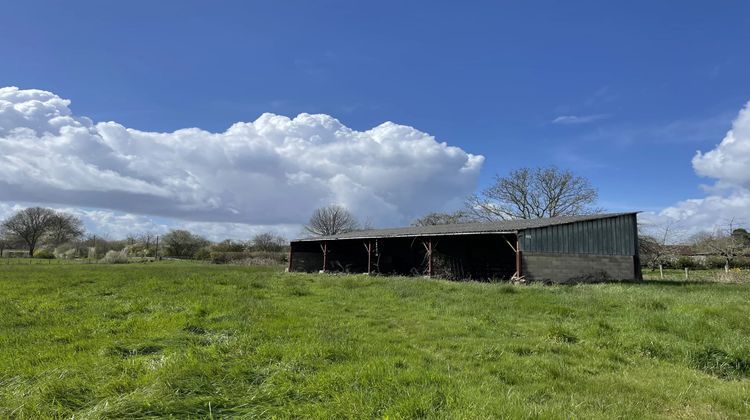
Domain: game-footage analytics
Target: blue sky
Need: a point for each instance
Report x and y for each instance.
(622, 93)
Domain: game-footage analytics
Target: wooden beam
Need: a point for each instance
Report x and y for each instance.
(429, 261)
(369, 257)
(324, 247)
(519, 261)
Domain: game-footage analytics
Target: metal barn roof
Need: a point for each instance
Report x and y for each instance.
(499, 227)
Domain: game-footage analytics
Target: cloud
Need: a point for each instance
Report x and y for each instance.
(729, 198)
(272, 171)
(578, 119)
(729, 162)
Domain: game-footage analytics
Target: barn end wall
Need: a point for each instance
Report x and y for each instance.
(571, 268)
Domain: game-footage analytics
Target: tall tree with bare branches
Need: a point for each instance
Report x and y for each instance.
(63, 227)
(268, 241)
(331, 220)
(34, 224)
(528, 193)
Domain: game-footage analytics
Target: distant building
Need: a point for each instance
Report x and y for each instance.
(560, 249)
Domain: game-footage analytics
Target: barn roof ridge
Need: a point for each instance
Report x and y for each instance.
(498, 227)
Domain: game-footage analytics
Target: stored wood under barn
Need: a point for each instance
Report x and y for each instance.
(560, 249)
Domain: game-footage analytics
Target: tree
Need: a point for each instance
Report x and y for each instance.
(533, 193)
(228, 245)
(34, 224)
(656, 244)
(63, 228)
(331, 220)
(724, 242)
(432, 219)
(182, 243)
(268, 242)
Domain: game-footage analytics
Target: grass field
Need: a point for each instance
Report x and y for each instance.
(187, 340)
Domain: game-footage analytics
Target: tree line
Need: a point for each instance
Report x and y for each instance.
(666, 245)
(47, 233)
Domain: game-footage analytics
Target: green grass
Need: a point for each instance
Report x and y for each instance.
(186, 340)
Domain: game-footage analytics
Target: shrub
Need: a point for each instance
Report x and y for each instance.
(228, 246)
(713, 261)
(44, 254)
(249, 258)
(116, 257)
(741, 262)
(685, 262)
(203, 254)
(227, 257)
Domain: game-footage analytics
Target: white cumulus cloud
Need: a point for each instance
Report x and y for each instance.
(729, 164)
(272, 171)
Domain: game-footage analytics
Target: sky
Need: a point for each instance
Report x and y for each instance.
(231, 118)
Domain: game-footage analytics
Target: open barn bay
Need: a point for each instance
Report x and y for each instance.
(163, 339)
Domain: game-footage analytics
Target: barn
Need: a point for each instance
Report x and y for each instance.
(559, 249)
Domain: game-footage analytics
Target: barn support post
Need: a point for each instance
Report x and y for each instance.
(324, 247)
(519, 260)
(429, 260)
(369, 257)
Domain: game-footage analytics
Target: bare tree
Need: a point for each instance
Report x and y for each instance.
(30, 225)
(432, 219)
(656, 243)
(533, 193)
(268, 242)
(723, 242)
(331, 220)
(63, 227)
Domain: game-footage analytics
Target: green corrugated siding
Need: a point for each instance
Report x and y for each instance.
(610, 236)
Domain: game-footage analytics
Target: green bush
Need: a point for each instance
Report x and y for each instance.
(203, 254)
(685, 262)
(44, 253)
(227, 257)
(228, 246)
(741, 262)
(249, 258)
(714, 261)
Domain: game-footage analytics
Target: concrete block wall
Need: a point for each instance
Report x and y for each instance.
(569, 268)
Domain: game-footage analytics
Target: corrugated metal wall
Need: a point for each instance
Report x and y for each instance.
(610, 236)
